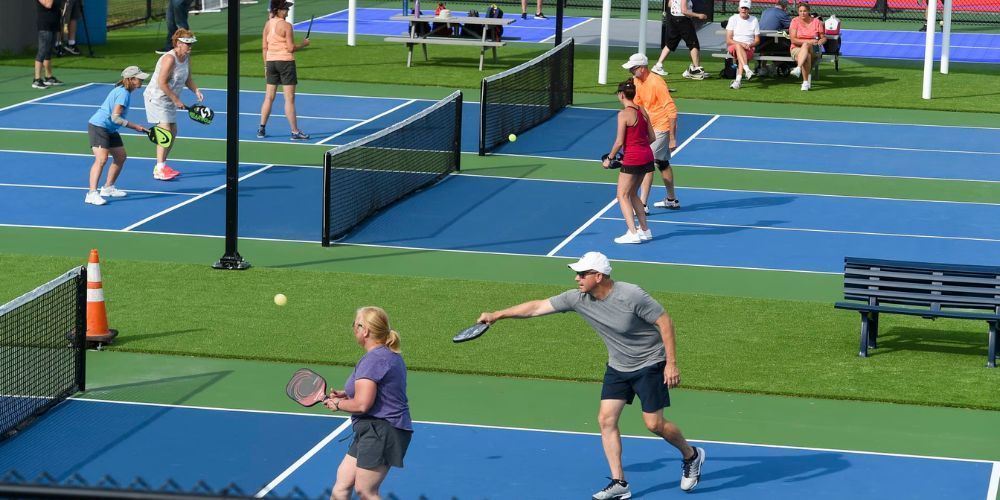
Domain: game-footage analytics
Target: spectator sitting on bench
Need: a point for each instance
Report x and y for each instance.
(807, 34)
(742, 35)
(776, 18)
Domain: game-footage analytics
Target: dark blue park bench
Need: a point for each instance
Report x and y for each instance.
(928, 290)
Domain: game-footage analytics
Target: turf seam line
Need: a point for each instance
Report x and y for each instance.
(40, 186)
(142, 108)
(46, 96)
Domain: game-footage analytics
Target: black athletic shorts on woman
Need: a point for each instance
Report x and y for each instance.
(638, 169)
(377, 442)
(647, 383)
(101, 138)
(681, 28)
(282, 73)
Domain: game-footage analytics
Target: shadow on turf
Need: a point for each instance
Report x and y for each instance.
(750, 470)
(931, 340)
(128, 339)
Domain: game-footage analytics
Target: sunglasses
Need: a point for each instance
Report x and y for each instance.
(584, 274)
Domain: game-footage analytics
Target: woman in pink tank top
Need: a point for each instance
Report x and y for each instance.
(279, 67)
(635, 134)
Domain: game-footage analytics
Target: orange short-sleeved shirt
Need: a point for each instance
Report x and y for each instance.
(653, 95)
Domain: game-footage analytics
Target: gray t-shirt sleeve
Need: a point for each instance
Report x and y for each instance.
(646, 307)
(565, 301)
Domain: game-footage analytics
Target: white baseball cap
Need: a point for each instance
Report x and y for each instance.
(134, 72)
(745, 3)
(592, 261)
(636, 60)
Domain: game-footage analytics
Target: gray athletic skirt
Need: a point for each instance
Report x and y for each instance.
(377, 442)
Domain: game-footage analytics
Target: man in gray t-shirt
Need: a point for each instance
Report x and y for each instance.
(642, 360)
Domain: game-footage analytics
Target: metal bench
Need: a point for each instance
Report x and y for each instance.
(433, 40)
(928, 290)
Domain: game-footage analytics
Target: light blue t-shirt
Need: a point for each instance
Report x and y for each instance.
(102, 117)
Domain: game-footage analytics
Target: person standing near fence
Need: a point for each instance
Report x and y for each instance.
(177, 17)
(278, 46)
(49, 18)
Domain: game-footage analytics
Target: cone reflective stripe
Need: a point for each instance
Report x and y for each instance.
(97, 314)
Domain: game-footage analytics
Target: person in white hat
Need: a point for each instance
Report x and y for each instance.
(102, 130)
(742, 36)
(642, 360)
(681, 27)
(163, 95)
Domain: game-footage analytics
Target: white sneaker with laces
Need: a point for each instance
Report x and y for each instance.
(747, 73)
(806, 86)
(628, 238)
(646, 235)
(112, 191)
(796, 72)
(691, 470)
(735, 85)
(667, 203)
(94, 198)
(645, 208)
(658, 69)
(615, 490)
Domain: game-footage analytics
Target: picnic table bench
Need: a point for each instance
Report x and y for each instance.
(928, 290)
(777, 35)
(453, 23)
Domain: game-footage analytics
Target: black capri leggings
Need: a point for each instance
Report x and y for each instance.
(46, 40)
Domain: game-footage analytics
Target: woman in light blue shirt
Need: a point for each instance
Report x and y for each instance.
(102, 129)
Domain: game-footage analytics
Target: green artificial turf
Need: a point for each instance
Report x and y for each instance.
(724, 343)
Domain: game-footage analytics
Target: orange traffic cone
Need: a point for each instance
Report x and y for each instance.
(97, 316)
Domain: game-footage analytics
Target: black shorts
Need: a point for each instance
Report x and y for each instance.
(46, 41)
(681, 28)
(72, 10)
(377, 442)
(282, 73)
(647, 383)
(638, 169)
(101, 138)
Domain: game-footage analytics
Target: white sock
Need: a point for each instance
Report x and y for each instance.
(746, 67)
(739, 76)
(159, 166)
(72, 41)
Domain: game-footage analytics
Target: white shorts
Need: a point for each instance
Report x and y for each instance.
(661, 146)
(160, 110)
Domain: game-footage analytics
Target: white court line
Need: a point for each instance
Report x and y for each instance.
(46, 96)
(297, 93)
(571, 28)
(140, 108)
(376, 117)
(991, 491)
(186, 137)
(881, 176)
(192, 200)
(996, 465)
(831, 145)
(607, 207)
(809, 230)
(172, 160)
(936, 44)
(42, 186)
(303, 459)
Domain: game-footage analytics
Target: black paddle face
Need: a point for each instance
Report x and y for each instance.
(201, 114)
(471, 332)
(616, 162)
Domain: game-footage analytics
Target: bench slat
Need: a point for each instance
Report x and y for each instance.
(444, 41)
(928, 298)
(979, 279)
(861, 284)
(917, 312)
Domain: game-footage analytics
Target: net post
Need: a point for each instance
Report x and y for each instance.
(458, 133)
(572, 68)
(482, 118)
(559, 21)
(326, 200)
(80, 330)
(231, 259)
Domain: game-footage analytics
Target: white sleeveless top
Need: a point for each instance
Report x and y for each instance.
(675, 7)
(176, 81)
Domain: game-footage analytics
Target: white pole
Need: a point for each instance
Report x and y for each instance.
(291, 14)
(643, 18)
(929, 47)
(352, 22)
(946, 38)
(602, 67)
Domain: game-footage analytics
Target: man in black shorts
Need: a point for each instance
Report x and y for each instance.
(49, 18)
(681, 27)
(642, 361)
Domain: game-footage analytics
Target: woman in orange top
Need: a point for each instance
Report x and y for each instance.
(279, 67)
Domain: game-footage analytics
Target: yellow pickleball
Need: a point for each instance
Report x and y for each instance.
(280, 299)
(511, 137)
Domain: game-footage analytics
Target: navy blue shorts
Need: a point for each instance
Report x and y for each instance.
(647, 383)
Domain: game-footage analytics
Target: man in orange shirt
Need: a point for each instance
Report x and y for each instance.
(651, 93)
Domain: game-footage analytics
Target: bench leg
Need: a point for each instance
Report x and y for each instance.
(873, 330)
(863, 352)
(409, 55)
(991, 355)
(424, 45)
(482, 54)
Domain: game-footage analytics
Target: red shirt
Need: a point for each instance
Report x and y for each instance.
(637, 150)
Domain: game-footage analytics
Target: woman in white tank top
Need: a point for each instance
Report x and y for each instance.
(162, 95)
(278, 48)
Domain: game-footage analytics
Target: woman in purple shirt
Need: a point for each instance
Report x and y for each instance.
(375, 396)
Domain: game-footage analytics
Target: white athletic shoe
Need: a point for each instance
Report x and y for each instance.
(645, 235)
(628, 238)
(747, 73)
(615, 490)
(796, 71)
(658, 69)
(691, 470)
(94, 198)
(806, 86)
(735, 85)
(112, 192)
(671, 204)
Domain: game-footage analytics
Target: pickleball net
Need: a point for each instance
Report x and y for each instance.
(367, 175)
(524, 96)
(42, 340)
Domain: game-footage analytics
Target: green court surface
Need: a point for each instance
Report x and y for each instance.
(766, 359)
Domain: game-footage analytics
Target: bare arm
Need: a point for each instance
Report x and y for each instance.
(263, 43)
(529, 309)
(116, 118)
(688, 13)
(364, 397)
(729, 38)
(619, 138)
(290, 39)
(46, 3)
(671, 374)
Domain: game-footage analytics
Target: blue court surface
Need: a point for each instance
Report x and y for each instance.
(965, 47)
(271, 453)
(372, 21)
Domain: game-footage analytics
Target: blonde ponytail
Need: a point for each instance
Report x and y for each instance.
(377, 322)
(393, 341)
